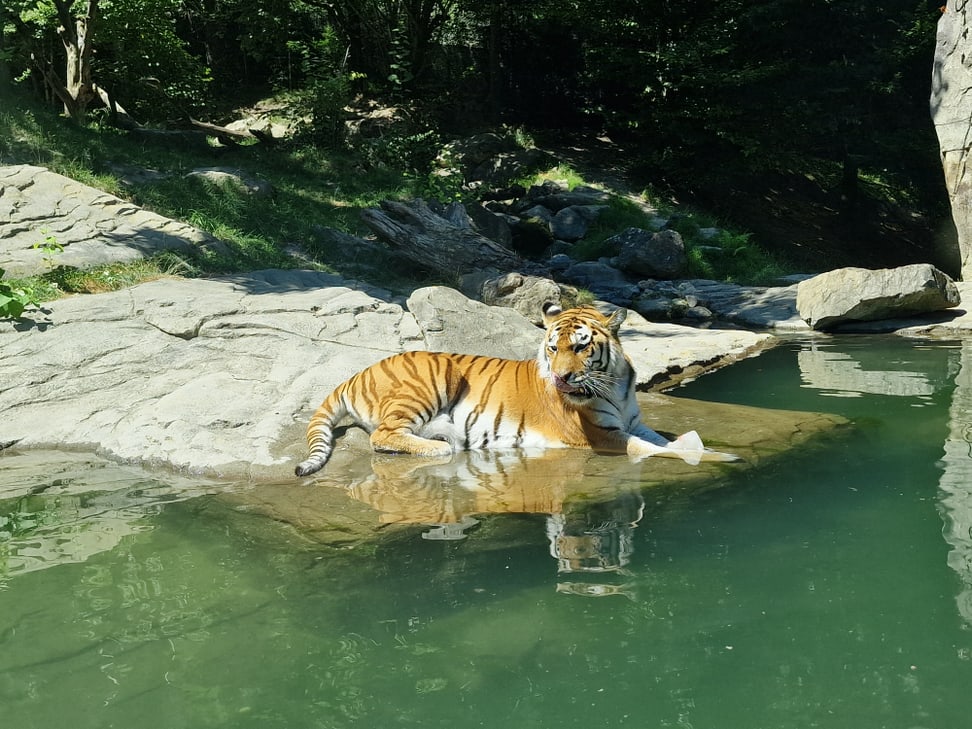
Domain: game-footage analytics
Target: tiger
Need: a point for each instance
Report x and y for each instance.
(579, 392)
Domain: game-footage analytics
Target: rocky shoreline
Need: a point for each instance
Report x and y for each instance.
(218, 376)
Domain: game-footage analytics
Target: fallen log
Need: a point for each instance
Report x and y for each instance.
(198, 134)
(435, 243)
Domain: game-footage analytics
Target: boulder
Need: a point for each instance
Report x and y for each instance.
(234, 178)
(605, 281)
(450, 322)
(571, 224)
(860, 294)
(525, 294)
(654, 308)
(537, 213)
(643, 253)
(531, 236)
(495, 226)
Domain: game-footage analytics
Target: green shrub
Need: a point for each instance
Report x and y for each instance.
(734, 258)
(14, 299)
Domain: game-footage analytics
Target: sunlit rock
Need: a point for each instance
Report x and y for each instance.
(860, 294)
(80, 225)
(951, 112)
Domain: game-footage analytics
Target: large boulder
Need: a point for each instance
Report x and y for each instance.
(452, 323)
(496, 226)
(571, 223)
(602, 279)
(525, 294)
(643, 253)
(951, 111)
(860, 294)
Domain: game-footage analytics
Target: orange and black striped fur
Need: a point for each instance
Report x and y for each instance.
(579, 392)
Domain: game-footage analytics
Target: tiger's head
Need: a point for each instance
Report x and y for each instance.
(581, 355)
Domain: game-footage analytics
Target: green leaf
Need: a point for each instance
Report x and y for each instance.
(10, 306)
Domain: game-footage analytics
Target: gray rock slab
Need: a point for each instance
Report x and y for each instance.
(93, 227)
(525, 294)
(399, 490)
(220, 376)
(644, 253)
(663, 354)
(761, 307)
(206, 376)
(233, 177)
(954, 322)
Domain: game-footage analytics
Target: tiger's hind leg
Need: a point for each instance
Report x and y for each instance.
(401, 440)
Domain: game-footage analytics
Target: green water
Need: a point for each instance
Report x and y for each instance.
(826, 589)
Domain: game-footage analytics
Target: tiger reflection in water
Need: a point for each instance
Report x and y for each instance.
(595, 537)
(588, 533)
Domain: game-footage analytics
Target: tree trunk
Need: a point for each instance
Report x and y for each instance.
(76, 35)
(5, 79)
(951, 111)
(434, 242)
(495, 66)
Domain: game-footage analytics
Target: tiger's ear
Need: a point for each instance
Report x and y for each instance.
(550, 312)
(616, 319)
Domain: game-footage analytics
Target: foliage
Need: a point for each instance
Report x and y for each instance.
(50, 247)
(144, 62)
(765, 85)
(114, 276)
(14, 299)
(561, 173)
(710, 99)
(734, 258)
(328, 86)
(139, 58)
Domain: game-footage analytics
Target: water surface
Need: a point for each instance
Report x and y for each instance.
(829, 588)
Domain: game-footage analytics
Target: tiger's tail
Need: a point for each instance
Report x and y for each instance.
(320, 433)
